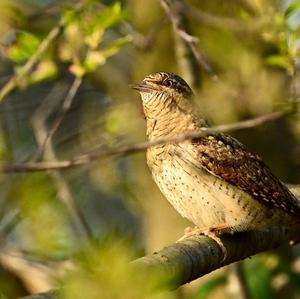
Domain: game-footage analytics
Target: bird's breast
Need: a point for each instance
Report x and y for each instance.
(199, 196)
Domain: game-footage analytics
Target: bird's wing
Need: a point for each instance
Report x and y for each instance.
(227, 158)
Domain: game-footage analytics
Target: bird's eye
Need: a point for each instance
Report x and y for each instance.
(168, 83)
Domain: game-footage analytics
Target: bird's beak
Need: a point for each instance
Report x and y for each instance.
(142, 87)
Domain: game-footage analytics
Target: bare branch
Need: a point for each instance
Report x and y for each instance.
(127, 150)
(46, 148)
(189, 57)
(145, 41)
(189, 259)
(194, 257)
(65, 108)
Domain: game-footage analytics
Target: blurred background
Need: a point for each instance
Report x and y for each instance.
(65, 70)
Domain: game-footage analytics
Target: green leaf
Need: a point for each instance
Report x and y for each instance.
(278, 61)
(109, 16)
(292, 9)
(25, 46)
(45, 70)
(71, 16)
(94, 39)
(116, 46)
(95, 59)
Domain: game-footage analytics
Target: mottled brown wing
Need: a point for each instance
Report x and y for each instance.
(230, 160)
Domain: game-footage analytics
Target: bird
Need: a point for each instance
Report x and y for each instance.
(213, 180)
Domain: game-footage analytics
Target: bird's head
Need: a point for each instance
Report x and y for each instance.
(162, 86)
(167, 104)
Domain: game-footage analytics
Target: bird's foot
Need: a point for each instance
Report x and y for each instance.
(211, 232)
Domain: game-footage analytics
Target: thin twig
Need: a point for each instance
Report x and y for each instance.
(193, 41)
(130, 149)
(188, 65)
(65, 108)
(41, 133)
(187, 43)
(196, 256)
(145, 41)
(187, 260)
(14, 81)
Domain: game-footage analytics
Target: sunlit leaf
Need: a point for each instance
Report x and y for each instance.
(295, 6)
(93, 60)
(78, 70)
(46, 70)
(278, 61)
(109, 16)
(25, 46)
(94, 39)
(72, 46)
(116, 46)
(71, 15)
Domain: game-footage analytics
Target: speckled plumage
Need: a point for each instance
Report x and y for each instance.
(213, 180)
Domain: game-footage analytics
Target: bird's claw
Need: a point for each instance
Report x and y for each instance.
(211, 233)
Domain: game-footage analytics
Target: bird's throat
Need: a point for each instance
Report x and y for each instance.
(165, 117)
(169, 125)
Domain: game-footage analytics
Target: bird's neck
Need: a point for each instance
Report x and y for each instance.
(164, 119)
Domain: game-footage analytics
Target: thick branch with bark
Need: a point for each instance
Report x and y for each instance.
(189, 259)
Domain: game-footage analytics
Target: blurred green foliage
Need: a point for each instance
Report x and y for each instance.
(45, 222)
(253, 47)
(25, 46)
(103, 271)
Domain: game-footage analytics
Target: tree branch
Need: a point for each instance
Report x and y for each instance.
(86, 158)
(189, 58)
(64, 110)
(189, 259)
(46, 149)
